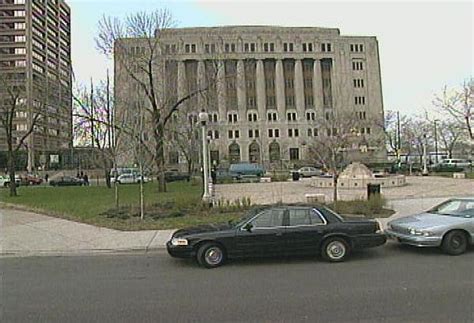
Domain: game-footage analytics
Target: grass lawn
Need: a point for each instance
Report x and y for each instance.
(87, 204)
(179, 207)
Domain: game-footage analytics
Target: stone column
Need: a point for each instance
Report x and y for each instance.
(181, 79)
(299, 89)
(280, 89)
(201, 83)
(317, 87)
(241, 90)
(260, 87)
(334, 91)
(221, 91)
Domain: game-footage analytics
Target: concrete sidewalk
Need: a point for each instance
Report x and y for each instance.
(26, 234)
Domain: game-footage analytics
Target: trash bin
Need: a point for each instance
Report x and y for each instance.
(373, 190)
(295, 175)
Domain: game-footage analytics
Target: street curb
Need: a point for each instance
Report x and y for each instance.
(83, 252)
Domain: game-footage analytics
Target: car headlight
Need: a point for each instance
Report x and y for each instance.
(420, 232)
(179, 242)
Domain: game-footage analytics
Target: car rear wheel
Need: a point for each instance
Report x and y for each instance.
(335, 249)
(210, 255)
(454, 243)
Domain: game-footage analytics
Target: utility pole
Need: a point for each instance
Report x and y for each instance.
(92, 113)
(436, 141)
(399, 140)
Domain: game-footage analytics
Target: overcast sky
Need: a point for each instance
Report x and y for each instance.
(423, 45)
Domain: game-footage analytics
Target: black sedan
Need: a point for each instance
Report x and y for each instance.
(66, 181)
(277, 231)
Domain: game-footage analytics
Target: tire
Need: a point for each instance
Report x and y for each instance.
(335, 249)
(454, 243)
(210, 255)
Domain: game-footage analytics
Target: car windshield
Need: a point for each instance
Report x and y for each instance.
(454, 208)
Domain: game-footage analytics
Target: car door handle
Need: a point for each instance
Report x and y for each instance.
(279, 234)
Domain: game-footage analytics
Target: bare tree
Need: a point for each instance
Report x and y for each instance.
(333, 143)
(13, 104)
(145, 66)
(459, 105)
(449, 133)
(93, 111)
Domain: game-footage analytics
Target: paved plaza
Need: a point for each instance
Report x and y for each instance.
(292, 192)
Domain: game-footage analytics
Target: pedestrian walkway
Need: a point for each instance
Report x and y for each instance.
(24, 234)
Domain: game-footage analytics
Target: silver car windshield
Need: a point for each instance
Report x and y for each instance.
(455, 208)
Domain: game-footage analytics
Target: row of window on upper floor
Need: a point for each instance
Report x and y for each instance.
(251, 47)
(271, 116)
(291, 133)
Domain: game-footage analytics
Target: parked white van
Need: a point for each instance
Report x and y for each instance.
(452, 162)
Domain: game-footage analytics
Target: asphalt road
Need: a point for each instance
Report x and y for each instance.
(388, 284)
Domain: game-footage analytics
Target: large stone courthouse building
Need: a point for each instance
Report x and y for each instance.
(274, 87)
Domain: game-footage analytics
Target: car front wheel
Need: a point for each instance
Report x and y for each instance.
(454, 243)
(335, 249)
(210, 255)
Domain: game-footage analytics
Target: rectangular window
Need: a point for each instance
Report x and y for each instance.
(304, 47)
(277, 133)
(236, 134)
(272, 47)
(294, 154)
(250, 133)
(290, 132)
(257, 133)
(231, 134)
(270, 133)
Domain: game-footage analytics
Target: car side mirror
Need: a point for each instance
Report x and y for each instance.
(248, 227)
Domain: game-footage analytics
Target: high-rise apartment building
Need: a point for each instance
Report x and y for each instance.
(35, 47)
(275, 87)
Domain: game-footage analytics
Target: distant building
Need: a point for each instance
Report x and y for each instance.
(277, 84)
(35, 45)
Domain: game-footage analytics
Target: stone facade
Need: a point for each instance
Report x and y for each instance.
(268, 88)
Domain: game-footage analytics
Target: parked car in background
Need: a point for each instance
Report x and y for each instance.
(241, 170)
(449, 225)
(5, 180)
(66, 181)
(132, 179)
(223, 176)
(30, 179)
(282, 230)
(452, 164)
(309, 171)
(175, 175)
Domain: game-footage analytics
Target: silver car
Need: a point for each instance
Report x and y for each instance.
(449, 225)
(309, 171)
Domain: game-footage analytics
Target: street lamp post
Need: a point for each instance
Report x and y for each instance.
(203, 118)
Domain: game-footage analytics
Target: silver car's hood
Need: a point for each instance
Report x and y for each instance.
(428, 220)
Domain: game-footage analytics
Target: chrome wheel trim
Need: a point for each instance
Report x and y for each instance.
(336, 250)
(213, 256)
(456, 242)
